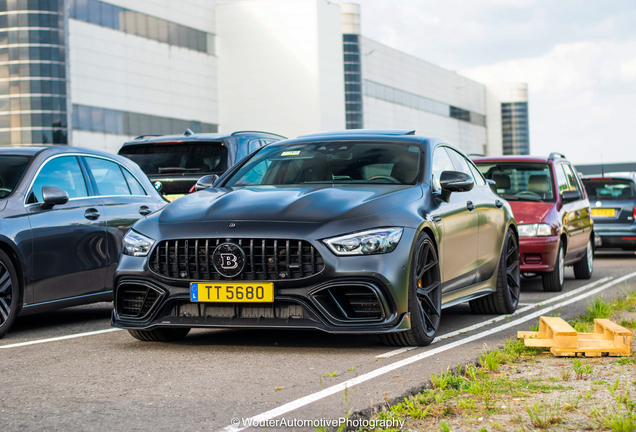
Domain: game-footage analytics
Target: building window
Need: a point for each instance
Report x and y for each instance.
(514, 128)
(352, 81)
(118, 18)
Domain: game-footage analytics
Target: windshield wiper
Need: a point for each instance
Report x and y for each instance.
(529, 198)
(176, 169)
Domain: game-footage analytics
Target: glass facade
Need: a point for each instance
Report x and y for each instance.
(116, 122)
(118, 18)
(411, 100)
(352, 81)
(514, 125)
(33, 78)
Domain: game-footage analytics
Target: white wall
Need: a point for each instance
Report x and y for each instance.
(99, 141)
(280, 66)
(116, 70)
(396, 69)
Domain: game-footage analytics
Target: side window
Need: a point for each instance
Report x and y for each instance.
(479, 179)
(562, 180)
(253, 145)
(460, 163)
(63, 173)
(572, 180)
(441, 163)
(133, 184)
(108, 177)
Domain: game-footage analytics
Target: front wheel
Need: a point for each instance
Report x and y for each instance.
(553, 281)
(584, 268)
(425, 297)
(9, 293)
(506, 299)
(160, 334)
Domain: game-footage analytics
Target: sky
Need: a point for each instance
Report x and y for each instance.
(577, 56)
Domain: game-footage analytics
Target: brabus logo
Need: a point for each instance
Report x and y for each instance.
(231, 225)
(228, 259)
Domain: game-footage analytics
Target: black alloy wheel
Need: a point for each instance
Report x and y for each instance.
(425, 298)
(506, 299)
(9, 293)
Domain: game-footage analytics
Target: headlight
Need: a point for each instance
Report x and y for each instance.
(377, 241)
(534, 230)
(136, 244)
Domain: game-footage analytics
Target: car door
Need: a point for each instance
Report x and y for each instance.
(460, 225)
(580, 217)
(69, 240)
(489, 208)
(124, 202)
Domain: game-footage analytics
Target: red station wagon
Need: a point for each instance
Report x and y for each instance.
(553, 213)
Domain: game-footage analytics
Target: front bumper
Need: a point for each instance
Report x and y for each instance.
(538, 254)
(352, 294)
(620, 236)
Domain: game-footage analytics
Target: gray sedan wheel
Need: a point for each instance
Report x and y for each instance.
(9, 293)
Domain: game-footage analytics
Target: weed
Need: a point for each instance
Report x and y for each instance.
(443, 427)
(351, 368)
(599, 382)
(599, 308)
(581, 326)
(492, 359)
(612, 389)
(543, 415)
(581, 370)
(565, 374)
(624, 361)
(331, 374)
(620, 422)
(446, 380)
(572, 403)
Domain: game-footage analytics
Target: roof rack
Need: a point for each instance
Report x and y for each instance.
(147, 135)
(476, 155)
(363, 132)
(263, 132)
(554, 155)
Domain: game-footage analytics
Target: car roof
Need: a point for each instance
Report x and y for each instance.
(615, 175)
(189, 136)
(516, 158)
(395, 135)
(22, 150)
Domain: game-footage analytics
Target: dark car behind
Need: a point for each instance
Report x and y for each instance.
(613, 201)
(174, 163)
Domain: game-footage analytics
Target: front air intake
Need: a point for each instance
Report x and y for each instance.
(349, 302)
(135, 300)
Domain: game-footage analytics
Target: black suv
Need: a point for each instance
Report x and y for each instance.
(613, 201)
(174, 163)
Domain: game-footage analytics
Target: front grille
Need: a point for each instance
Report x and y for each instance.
(266, 259)
(136, 300)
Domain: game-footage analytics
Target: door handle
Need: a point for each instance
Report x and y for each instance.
(91, 214)
(436, 218)
(144, 210)
(499, 204)
(470, 206)
(578, 213)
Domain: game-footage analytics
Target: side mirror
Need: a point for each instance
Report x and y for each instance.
(455, 181)
(53, 196)
(205, 182)
(569, 196)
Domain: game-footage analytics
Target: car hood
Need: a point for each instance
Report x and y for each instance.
(311, 203)
(530, 212)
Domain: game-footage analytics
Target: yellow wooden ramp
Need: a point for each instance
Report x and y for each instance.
(563, 340)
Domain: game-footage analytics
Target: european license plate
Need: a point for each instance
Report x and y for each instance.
(603, 212)
(245, 292)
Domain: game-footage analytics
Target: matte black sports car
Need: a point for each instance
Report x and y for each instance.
(347, 232)
(63, 213)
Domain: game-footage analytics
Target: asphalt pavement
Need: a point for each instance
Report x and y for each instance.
(69, 370)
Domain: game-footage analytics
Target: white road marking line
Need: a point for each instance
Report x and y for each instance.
(59, 338)
(498, 318)
(299, 403)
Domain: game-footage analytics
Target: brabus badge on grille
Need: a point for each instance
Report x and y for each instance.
(231, 225)
(229, 259)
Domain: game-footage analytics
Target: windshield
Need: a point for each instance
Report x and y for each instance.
(11, 169)
(520, 181)
(609, 190)
(182, 159)
(359, 162)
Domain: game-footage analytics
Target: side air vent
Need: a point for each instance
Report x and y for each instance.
(135, 300)
(351, 302)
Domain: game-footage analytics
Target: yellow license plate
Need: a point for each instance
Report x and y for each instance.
(244, 292)
(603, 212)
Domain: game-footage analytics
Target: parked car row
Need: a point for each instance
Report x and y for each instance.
(357, 231)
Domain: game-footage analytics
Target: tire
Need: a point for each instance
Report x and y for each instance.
(506, 298)
(584, 268)
(160, 334)
(9, 293)
(425, 297)
(553, 281)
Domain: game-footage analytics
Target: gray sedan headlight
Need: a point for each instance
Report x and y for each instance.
(376, 241)
(136, 244)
